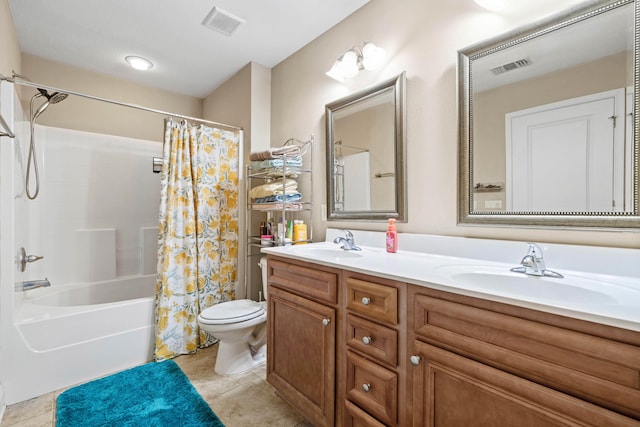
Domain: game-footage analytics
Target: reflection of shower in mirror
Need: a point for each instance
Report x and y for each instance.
(352, 177)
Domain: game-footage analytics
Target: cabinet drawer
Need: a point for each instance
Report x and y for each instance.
(373, 388)
(596, 369)
(373, 300)
(356, 417)
(373, 339)
(300, 279)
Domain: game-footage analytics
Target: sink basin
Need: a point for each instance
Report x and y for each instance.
(325, 251)
(504, 282)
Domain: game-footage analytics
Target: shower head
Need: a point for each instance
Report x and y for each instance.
(54, 98)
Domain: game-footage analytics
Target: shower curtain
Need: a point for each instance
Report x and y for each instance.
(198, 233)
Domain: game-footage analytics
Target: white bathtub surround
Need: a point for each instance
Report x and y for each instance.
(73, 331)
(600, 285)
(96, 254)
(148, 250)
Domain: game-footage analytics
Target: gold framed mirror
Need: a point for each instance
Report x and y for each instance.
(366, 148)
(549, 122)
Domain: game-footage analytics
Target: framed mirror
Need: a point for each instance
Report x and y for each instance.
(549, 122)
(366, 146)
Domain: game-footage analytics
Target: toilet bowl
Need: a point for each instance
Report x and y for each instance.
(240, 326)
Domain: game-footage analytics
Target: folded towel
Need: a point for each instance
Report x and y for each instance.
(273, 188)
(274, 153)
(266, 206)
(279, 198)
(277, 163)
(289, 172)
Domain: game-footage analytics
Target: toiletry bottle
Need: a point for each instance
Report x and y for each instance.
(281, 233)
(299, 232)
(392, 236)
(290, 230)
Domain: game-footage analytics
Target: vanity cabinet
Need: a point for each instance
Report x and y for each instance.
(374, 354)
(476, 362)
(350, 349)
(301, 349)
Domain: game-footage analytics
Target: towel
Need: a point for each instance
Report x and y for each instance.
(288, 186)
(275, 153)
(294, 197)
(289, 172)
(277, 163)
(269, 206)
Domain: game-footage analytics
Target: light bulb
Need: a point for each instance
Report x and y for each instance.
(335, 72)
(494, 5)
(372, 56)
(139, 63)
(349, 64)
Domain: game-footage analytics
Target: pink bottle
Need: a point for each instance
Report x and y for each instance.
(392, 236)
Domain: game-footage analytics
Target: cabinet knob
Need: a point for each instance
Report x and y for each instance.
(366, 387)
(367, 340)
(366, 300)
(326, 322)
(415, 360)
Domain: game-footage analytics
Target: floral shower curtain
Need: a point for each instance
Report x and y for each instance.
(198, 232)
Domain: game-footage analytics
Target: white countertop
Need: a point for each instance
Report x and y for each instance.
(603, 285)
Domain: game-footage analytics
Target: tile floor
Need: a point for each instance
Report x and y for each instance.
(243, 400)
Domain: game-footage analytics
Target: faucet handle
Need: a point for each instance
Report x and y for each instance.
(534, 250)
(349, 234)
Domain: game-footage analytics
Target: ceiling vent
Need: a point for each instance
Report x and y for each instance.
(511, 66)
(222, 21)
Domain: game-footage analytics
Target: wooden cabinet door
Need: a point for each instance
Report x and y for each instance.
(452, 391)
(301, 350)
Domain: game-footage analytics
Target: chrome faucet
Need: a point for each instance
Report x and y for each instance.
(348, 241)
(32, 284)
(533, 264)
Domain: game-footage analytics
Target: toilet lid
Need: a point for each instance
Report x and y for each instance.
(232, 312)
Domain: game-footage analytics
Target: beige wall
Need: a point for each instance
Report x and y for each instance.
(244, 101)
(95, 116)
(421, 37)
(9, 48)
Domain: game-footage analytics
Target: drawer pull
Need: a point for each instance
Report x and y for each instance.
(366, 300)
(325, 322)
(367, 340)
(415, 360)
(366, 387)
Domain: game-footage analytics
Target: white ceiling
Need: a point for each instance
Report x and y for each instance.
(188, 57)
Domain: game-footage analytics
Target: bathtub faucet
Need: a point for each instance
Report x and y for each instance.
(32, 284)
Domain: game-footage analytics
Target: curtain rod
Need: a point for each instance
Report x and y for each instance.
(23, 82)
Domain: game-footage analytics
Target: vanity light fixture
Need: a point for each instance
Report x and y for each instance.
(138, 62)
(493, 5)
(354, 60)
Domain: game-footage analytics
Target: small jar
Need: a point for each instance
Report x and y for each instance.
(266, 240)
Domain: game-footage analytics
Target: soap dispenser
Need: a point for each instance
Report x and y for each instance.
(392, 237)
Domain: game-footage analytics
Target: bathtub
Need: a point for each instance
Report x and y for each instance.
(65, 335)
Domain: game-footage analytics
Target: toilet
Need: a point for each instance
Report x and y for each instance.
(240, 325)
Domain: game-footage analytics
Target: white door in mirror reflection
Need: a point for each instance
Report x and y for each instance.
(567, 156)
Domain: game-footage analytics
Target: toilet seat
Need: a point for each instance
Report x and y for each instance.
(231, 312)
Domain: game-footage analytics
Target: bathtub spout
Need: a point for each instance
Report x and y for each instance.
(32, 284)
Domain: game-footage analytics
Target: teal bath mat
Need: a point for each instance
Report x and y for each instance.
(151, 395)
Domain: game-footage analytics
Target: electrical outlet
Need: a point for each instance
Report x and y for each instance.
(323, 212)
(493, 204)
